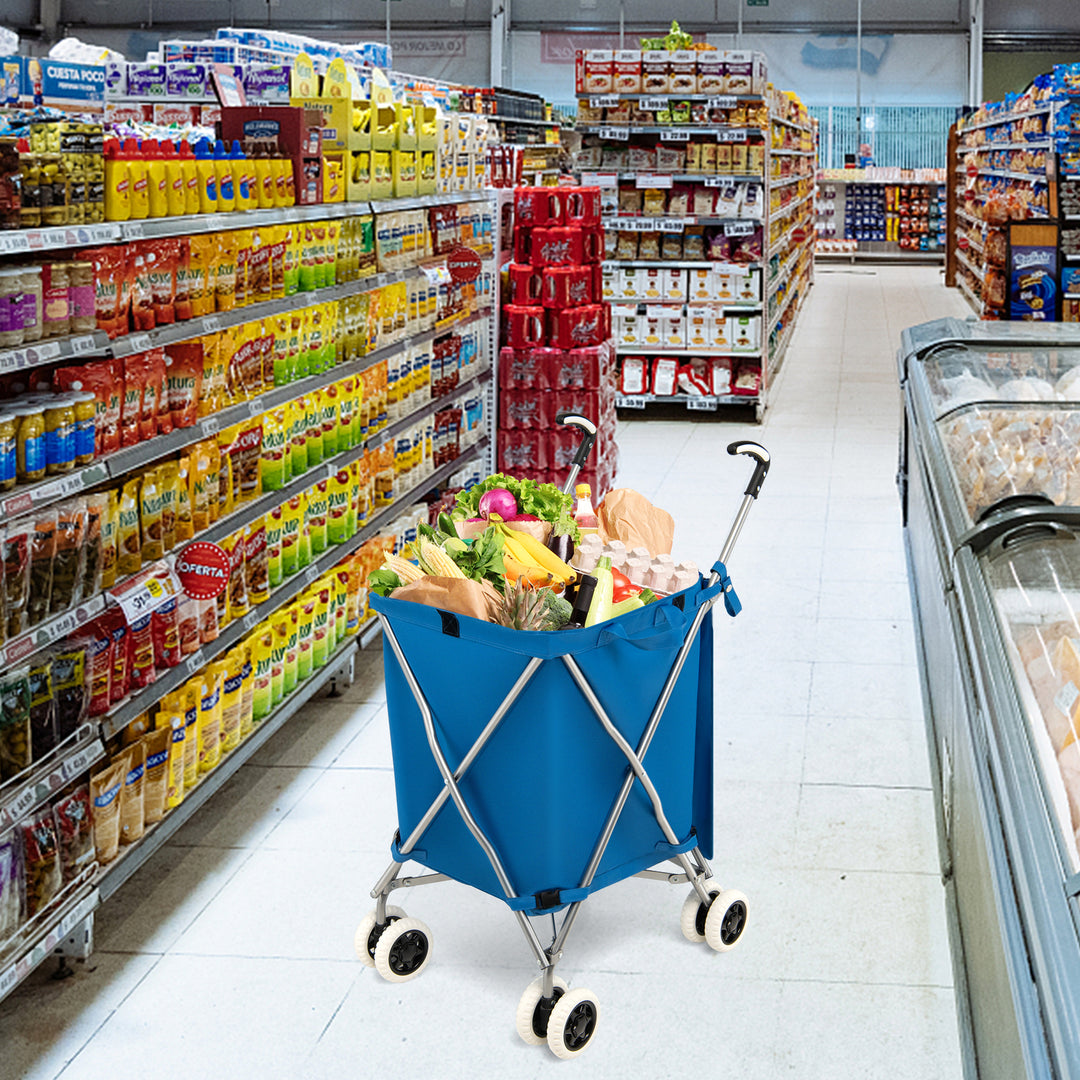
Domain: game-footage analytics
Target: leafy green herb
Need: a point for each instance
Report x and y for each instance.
(383, 581)
(544, 501)
(483, 559)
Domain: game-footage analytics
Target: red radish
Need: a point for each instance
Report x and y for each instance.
(498, 501)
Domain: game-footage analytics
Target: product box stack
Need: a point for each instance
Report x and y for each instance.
(557, 353)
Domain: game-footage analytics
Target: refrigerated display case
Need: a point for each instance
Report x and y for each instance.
(990, 484)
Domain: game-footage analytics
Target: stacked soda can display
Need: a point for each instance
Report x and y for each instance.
(557, 355)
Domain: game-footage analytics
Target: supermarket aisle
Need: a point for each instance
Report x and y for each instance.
(231, 952)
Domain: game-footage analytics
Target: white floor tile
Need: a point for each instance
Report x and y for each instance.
(850, 750)
(877, 692)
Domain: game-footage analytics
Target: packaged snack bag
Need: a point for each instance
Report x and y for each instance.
(202, 277)
(305, 632)
(337, 506)
(317, 501)
(165, 627)
(169, 483)
(296, 412)
(259, 283)
(69, 555)
(237, 590)
(262, 658)
(242, 247)
(215, 482)
(340, 579)
(161, 257)
(280, 624)
(110, 526)
(231, 693)
(185, 526)
(187, 617)
(247, 691)
(277, 244)
(208, 624)
(190, 700)
(42, 556)
(313, 427)
(75, 832)
(142, 651)
(209, 728)
(273, 458)
(329, 421)
(224, 271)
(150, 513)
(292, 649)
(320, 627)
(114, 623)
(171, 719)
(256, 562)
(245, 453)
(305, 536)
(184, 366)
(273, 522)
(111, 295)
(182, 308)
(105, 787)
(132, 806)
(202, 483)
(139, 263)
(156, 777)
(135, 373)
(292, 521)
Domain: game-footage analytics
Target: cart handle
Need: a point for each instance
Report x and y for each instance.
(588, 432)
(762, 459)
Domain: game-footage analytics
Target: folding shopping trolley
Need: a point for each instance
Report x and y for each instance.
(539, 739)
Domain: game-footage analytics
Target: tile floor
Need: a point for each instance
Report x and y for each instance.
(230, 953)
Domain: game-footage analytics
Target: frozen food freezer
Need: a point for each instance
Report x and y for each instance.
(989, 479)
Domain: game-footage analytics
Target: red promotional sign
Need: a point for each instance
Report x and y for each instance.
(203, 570)
(464, 264)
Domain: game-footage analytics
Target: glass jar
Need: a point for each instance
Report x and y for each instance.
(60, 435)
(54, 190)
(11, 319)
(7, 451)
(32, 313)
(10, 186)
(30, 209)
(85, 425)
(81, 296)
(29, 443)
(54, 285)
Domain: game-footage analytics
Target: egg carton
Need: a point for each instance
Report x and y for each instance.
(660, 573)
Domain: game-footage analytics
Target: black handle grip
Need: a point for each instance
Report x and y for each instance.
(588, 434)
(762, 461)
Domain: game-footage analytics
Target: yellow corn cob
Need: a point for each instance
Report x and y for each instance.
(542, 556)
(438, 560)
(406, 571)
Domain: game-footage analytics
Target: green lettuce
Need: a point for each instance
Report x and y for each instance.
(383, 581)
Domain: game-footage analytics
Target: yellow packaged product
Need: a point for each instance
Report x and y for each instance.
(337, 507)
(247, 690)
(292, 649)
(199, 479)
(305, 536)
(201, 278)
(239, 605)
(156, 780)
(274, 571)
(245, 453)
(305, 635)
(282, 374)
(341, 603)
(242, 238)
(279, 627)
(313, 427)
(292, 524)
(225, 272)
(346, 433)
(232, 679)
(317, 503)
(256, 562)
(171, 718)
(189, 699)
(329, 416)
(297, 414)
(128, 539)
(275, 463)
(209, 729)
(185, 528)
(169, 482)
(321, 643)
(227, 492)
(153, 545)
(110, 523)
(214, 479)
(278, 240)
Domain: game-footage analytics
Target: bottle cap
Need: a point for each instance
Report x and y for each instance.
(219, 150)
(237, 154)
(582, 489)
(185, 151)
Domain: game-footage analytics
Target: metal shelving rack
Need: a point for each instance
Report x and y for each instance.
(65, 926)
(793, 210)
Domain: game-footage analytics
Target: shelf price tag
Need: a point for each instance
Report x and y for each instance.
(672, 225)
(739, 228)
(139, 343)
(732, 135)
(653, 180)
(210, 425)
(653, 104)
(195, 662)
(78, 763)
(605, 101)
(86, 343)
(717, 181)
(599, 179)
(211, 323)
(675, 135)
(721, 101)
(620, 134)
(701, 404)
(22, 804)
(149, 590)
(8, 978)
(255, 406)
(13, 361)
(631, 402)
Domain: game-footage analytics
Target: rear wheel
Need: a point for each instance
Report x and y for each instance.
(368, 934)
(726, 920)
(533, 1012)
(573, 1023)
(403, 951)
(692, 920)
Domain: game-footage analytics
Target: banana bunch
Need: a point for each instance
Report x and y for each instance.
(526, 557)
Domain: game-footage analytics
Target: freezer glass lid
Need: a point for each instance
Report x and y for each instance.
(995, 452)
(1036, 589)
(959, 374)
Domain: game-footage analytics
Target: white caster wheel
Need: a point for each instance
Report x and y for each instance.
(692, 920)
(366, 939)
(726, 920)
(573, 1023)
(532, 1021)
(403, 951)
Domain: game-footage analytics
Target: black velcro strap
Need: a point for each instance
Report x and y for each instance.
(449, 623)
(548, 898)
(679, 602)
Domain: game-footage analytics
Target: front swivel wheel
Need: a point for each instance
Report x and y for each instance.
(403, 951)
(533, 1012)
(573, 1023)
(726, 920)
(368, 933)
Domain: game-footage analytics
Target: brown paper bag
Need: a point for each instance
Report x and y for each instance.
(628, 516)
(460, 595)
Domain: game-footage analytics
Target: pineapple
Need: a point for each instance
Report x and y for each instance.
(527, 608)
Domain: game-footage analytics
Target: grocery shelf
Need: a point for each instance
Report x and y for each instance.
(965, 261)
(654, 350)
(124, 712)
(1006, 118)
(641, 223)
(693, 402)
(522, 121)
(677, 264)
(792, 153)
(783, 181)
(793, 294)
(33, 496)
(709, 179)
(716, 101)
(791, 124)
(1036, 144)
(30, 241)
(676, 132)
(969, 217)
(45, 352)
(784, 211)
(23, 794)
(111, 876)
(970, 296)
(1007, 174)
(639, 302)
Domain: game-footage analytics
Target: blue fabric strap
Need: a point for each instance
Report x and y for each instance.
(731, 600)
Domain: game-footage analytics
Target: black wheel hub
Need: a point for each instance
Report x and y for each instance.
(579, 1025)
(542, 1012)
(408, 953)
(734, 923)
(377, 932)
(703, 913)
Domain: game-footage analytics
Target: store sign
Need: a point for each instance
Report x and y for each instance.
(203, 570)
(61, 83)
(464, 265)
